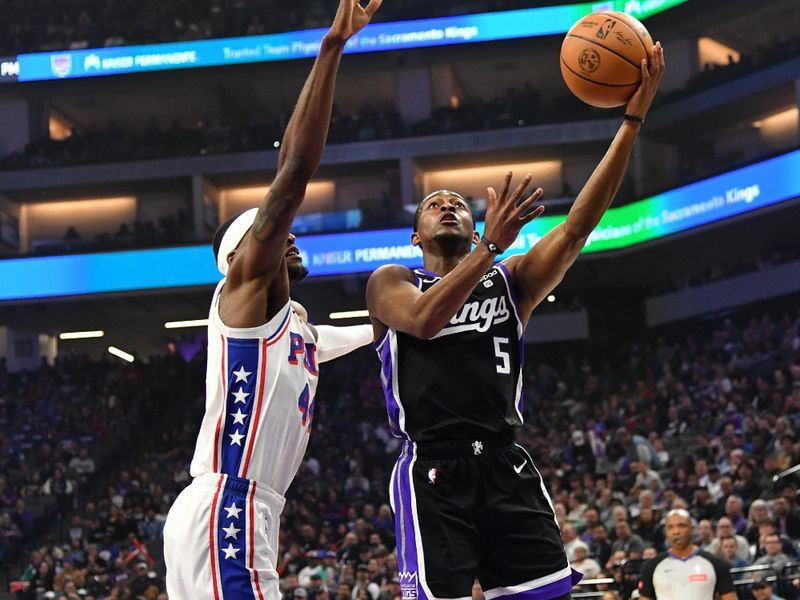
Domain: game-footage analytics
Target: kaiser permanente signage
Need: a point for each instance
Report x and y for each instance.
(682, 209)
(397, 35)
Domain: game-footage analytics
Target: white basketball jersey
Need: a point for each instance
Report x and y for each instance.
(260, 386)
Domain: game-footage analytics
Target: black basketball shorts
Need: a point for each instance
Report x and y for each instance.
(476, 509)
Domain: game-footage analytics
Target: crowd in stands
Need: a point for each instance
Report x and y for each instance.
(168, 230)
(702, 420)
(61, 427)
(726, 269)
(37, 25)
(517, 107)
(713, 74)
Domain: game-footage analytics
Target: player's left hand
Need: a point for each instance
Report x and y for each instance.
(351, 18)
(652, 71)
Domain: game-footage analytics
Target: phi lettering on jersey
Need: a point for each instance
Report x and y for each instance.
(297, 346)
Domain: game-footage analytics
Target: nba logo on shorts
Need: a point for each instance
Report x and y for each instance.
(61, 64)
(432, 475)
(408, 585)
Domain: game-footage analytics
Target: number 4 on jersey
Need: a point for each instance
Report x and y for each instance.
(306, 405)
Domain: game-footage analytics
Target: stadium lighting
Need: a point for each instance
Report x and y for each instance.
(81, 335)
(182, 324)
(276, 144)
(779, 122)
(121, 354)
(551, 298)
(349, 314)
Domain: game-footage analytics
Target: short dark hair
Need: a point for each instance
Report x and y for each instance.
(220, 233)
(417, 212)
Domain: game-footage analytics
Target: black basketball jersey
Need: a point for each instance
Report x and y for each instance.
(466, 382)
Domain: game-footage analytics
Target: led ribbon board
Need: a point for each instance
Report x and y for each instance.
(682, 209)
(397, 35)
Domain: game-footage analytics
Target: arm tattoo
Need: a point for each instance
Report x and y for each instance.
(269, 218)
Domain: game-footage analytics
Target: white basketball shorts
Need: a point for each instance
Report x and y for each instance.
(221, 540)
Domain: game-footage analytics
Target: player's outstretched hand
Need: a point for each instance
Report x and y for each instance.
(351, 18)
(506, 214)
(652, 71)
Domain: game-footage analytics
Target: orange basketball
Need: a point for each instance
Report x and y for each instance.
(601, 57)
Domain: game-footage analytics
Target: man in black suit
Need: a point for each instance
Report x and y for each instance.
(787, 518)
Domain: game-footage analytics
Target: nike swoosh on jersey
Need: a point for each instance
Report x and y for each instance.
(519, 468)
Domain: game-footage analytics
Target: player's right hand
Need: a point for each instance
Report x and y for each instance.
(506, 215)
(351, 18)
(652, 72)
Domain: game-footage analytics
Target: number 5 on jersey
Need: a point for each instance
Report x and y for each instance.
(504, 364)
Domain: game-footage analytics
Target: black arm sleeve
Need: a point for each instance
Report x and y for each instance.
(723, 572)
(646, 588)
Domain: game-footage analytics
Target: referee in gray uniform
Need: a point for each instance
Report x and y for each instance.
(684, 571)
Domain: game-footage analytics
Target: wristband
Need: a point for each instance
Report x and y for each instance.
(493, 248)
(634, 118)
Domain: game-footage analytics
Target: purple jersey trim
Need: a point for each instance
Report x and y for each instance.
(562, 587)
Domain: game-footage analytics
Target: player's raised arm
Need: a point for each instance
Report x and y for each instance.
(263, 249)
(540, 270)
(395, 302)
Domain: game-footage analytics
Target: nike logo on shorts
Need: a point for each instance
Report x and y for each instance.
(519, 468)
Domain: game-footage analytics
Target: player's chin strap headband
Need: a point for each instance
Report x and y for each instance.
(233, 237)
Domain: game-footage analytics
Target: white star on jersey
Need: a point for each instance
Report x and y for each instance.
(230, 531)
(236, 438)
(238, 417)
(230, 551)
(233, 512)
(242, 375)
(240, 396)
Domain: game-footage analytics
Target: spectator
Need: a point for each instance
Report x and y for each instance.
(734, 511)
(725, 530)
(747, 487)
(569, 536)
(787, 517)
(22, 519)
(364, 586)
(647, 478)
(600, 547)
(627, 541)
(581, 561)
(82, 465)
(763, 590)
(759, 511)
(774, 558)
(728, 550)
(705, 535)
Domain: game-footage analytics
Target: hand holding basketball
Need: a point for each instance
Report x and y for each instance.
(640, 103)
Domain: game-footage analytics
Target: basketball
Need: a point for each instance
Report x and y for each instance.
(601, 57)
